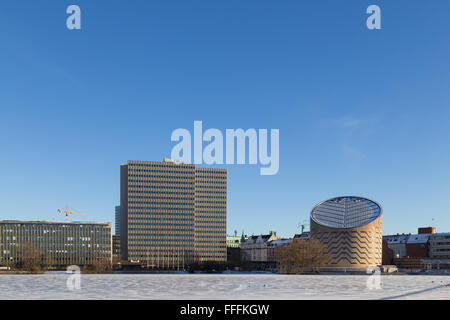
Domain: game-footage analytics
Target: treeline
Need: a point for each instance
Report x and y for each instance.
(302, 256)
(30, 259)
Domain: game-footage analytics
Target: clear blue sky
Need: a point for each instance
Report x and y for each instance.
(360, 112)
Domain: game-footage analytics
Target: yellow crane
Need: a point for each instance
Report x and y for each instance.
(67, 212)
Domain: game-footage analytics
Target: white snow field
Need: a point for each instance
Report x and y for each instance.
(223, 286)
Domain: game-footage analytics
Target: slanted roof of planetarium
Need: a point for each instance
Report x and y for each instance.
(346, 212)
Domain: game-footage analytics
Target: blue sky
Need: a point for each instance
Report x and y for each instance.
(360, 112)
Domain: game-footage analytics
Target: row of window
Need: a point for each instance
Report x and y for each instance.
(147, 219)
(171, 229)
(176, 169)
(159, 182)
(156, 165)
(207, 182)
(166, 193)
(170, 209)
(170, 176)
(172, 205)
(134, 243)
(171, 185)
(161, 197)
(153, 188)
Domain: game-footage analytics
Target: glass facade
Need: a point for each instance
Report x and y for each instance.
(346, 212)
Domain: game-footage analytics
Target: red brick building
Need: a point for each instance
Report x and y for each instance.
(417, 246)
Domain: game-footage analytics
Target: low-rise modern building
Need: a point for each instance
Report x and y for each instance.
(436, 264)
(60, 243)
(439, 246)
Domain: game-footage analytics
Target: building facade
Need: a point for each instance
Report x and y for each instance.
(350, 231)
(406, 246)
(255, 248)
(234, 249)
(397, 243)
(210, 218)
(117, 221)
(115, 249)
(439, 246)
(425, 250)
(61, 243)
(172, 213)
(234, 241)
(417, 246)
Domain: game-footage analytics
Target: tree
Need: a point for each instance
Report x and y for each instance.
(101, 264)
(6, 262)
(31, 259)
(301, 256)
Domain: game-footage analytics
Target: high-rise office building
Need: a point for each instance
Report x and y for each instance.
(117, 221)
(172, 213)
(210, 214)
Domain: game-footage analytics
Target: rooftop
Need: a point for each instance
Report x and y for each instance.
(418, 238)
(396, 239)
(54, 222)
(346, 212)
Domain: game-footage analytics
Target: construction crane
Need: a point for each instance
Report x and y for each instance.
(303, 224)
(67, 212)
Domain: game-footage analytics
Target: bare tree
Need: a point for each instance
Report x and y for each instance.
(101, 264)
(6, 262)
(31, 259)
(301, 256)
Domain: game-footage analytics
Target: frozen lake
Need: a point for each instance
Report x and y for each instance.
(223, 286)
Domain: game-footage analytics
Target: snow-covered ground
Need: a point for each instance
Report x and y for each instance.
(223, 286)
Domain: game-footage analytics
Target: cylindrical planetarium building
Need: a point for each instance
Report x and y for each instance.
(350, 230)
